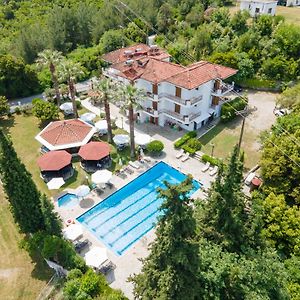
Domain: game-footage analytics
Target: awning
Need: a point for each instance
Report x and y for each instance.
(94, 151)
(88, 117)
(142, 139)
(73, 232)
(101, 176)
(55, 183)
(54, 160)
(201, 118)
(121, 139)
(82, 191)
(101, 125)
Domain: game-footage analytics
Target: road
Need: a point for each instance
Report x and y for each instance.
(80, 87)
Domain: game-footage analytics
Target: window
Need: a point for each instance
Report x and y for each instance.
(178, 92)
(270, 11)
(197, 88)
(154, 89)
(257, 10)
(177, 108)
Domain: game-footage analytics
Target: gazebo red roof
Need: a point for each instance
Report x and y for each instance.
(94, 151)
(54, 160)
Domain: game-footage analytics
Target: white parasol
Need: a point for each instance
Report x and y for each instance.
(96, 257)
(55, 183)
(73, 232)
(66, 106)
(101, 176)
(82, 190)
(88, 117)
(121, 139)
(142, 139)
(101, 126)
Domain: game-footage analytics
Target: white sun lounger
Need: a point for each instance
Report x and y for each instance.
(185, 157)
(206, 167)
(214, 171)
(180, 153)
(134, 165)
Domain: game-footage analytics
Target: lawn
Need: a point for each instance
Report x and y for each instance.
(20, 278)
(23, 129)
(225, 136)
(291, 14)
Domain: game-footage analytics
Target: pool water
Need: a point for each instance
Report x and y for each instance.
(67, 200)
(128, 214)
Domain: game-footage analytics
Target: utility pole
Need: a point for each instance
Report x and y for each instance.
(242, 133)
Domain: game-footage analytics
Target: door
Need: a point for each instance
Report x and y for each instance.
(177, 108)
(152, 120)
(178, 92)
(154, 105)
(154, 89)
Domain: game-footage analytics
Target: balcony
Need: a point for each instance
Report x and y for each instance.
(174, 99)
(152, 96)
(223, 90)
(150, 111)
(175, 115)
(195, 100)
(194, 116)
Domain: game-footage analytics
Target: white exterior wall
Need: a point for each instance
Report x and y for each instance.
(263, 7)
(292, 2)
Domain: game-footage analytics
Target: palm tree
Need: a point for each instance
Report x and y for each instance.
(69, 72)
(105, 92)
(130, 98)
(51, 59)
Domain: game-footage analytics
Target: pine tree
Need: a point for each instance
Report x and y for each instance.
(170, 271)
(52, 221)
(224, 214)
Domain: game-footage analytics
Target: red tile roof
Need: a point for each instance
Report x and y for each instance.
(134, 52)
(94, 151)
(66, 132)
(54, 160)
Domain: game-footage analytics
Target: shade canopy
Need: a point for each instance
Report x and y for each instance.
(88, 117)
(101, 125)
(54, 160)
(66, 134)
(121, 139)
(96, 257)
(55, 183)
(66, 106)
(101, 176)
(142, 139)
(73, 232)
(82, 191)
(94, 151)
(256, 181)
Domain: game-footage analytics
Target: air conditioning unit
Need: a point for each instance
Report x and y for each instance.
(129, 62)
(128, 52)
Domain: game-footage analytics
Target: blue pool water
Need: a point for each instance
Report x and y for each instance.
(67, 200)
(125, 216)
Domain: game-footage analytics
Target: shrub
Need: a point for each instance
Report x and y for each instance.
(78, 104)
(185, 138)
(212, 160)
(18, 110)
(228, 111)
(194, 143)
(188, 149)
(155, 147)
(4, 107)
(44, 110)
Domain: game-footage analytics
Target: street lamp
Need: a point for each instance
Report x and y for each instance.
(212, 149)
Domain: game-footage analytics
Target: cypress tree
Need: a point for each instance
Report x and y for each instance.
(21, 191)
(170, 271)
(224, 214)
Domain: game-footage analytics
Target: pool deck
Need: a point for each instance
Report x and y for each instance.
(129, 262)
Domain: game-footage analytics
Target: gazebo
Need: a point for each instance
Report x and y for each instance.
(66, 135)
(95, 156)
(55, 164)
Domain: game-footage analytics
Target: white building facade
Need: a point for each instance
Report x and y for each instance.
(259, 7)
(186, 97)
(292, 2)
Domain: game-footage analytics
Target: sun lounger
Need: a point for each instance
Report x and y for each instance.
(134, 165)
(110, 185)
(206, 167)
(180, 153)
(147, 159)
(214, 171)
(185, 157)
(129, 170)
(80, 245)
(106, 268)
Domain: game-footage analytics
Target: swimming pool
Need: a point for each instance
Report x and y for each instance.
(67, 200)
(128, 214)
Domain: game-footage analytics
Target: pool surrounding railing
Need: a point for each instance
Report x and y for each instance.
(124, 217)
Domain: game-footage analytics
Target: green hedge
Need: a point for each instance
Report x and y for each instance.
(185, 138)
(257, 83)
(192, 145)
(228, 110)
(212, 160)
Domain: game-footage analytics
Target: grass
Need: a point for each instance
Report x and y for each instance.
(225, 136)
(20, 278)
(291, 14)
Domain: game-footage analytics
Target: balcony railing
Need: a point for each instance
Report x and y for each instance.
(195, 100)
(150, 111)
(175, 115)
(223, 90)
(173, 98)
(194, 116)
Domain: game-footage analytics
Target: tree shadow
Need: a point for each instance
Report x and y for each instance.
(41, 270)
(6, 123)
